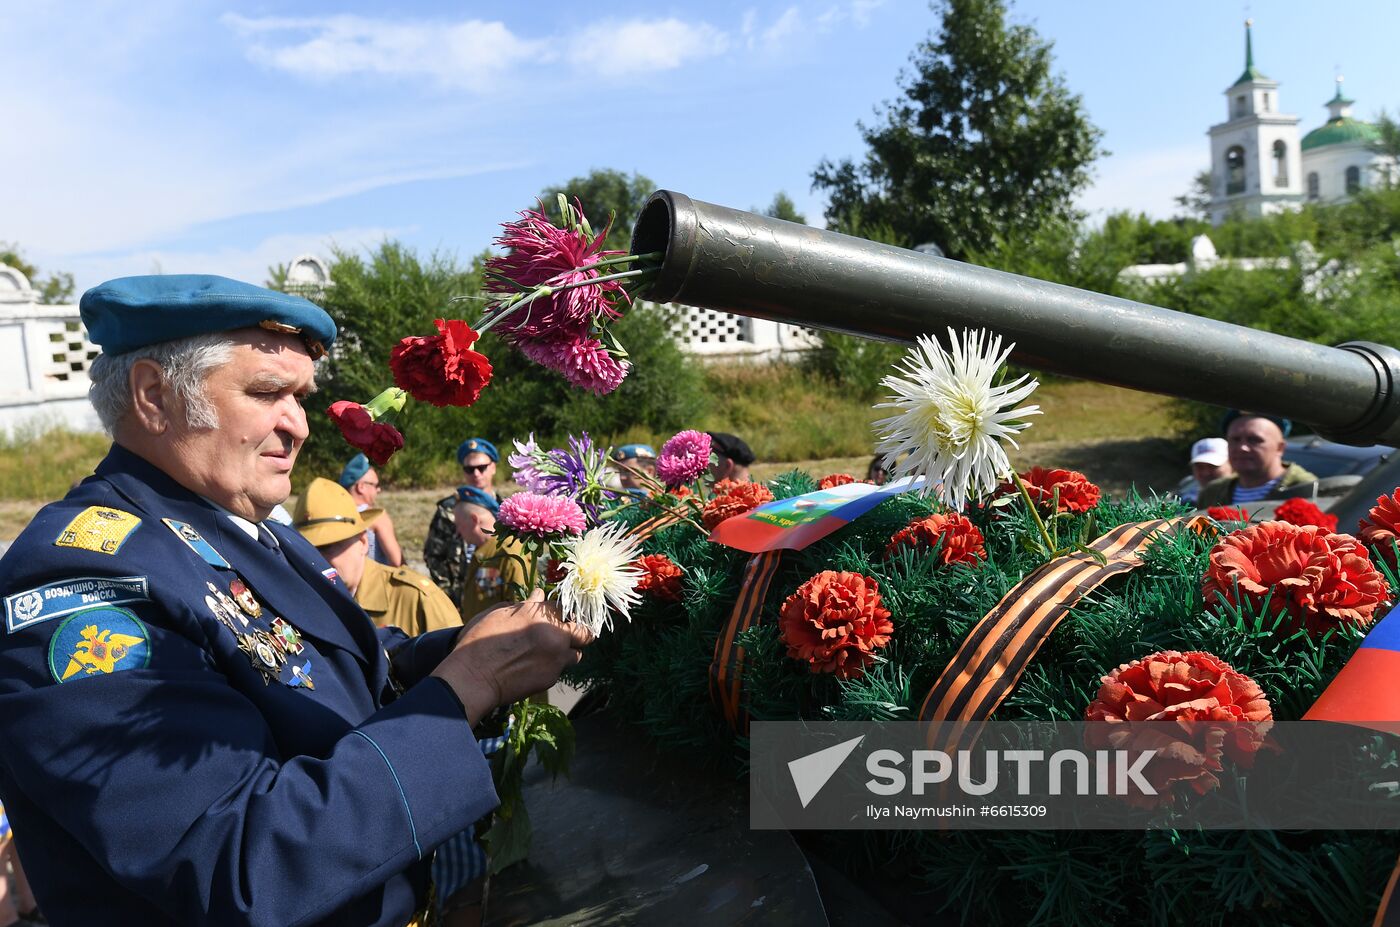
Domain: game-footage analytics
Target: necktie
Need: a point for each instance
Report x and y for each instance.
(266, 539)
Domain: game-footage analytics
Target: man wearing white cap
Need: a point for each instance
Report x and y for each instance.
(1210, 461)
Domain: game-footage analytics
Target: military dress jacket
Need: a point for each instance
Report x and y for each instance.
(405, 599)
(196, 727)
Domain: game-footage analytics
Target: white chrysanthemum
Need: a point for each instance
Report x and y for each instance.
(599, 573)
(952, 419)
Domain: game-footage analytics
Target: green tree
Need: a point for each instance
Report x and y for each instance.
(1195, 202)
(55, 288)
(604, 191)
(1388, 144)
(783, 208)
(985, 139)
(379, 298)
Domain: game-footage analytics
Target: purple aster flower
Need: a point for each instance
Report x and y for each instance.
(683, 458)
(523, 464)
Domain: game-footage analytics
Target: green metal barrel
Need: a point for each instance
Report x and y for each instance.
(753, 265)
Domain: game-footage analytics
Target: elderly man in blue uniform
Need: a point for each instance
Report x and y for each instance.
(200, 725)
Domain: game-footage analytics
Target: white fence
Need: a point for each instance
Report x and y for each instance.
(44, 359)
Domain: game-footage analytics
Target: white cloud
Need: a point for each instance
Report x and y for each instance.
(250, 264)
(795, 22)
(474, 55)
(616, 49)
(471, 54)
(1145, 181)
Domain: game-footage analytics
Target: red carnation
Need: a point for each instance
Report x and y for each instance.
(1318, 579)
(441, 369)
(661, 578)
(1303, 512)
(835, 623)
(1076, 493)
(378, 440)
(732, 499)
(1203, 707)
(1381, 527)
(1227, 513)
(835, 479)
(962, 541)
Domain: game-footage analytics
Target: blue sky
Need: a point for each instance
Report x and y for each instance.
(188, 135)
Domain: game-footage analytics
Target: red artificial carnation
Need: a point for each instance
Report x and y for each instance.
(661, 578)
(441, 369)
(1381, 527)
(378, 440)
(1303, 512)
(835, 623)
(1076, 493)
(732, 499)
(962, 541)
(1227, 513)
(1315, 579)
(835, 479)
(1192, 708)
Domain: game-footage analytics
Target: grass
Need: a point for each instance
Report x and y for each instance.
(790, 417)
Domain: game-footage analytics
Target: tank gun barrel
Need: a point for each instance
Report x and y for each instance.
(734, 261)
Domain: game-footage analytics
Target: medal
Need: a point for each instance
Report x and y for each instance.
(263, 652)
(301, 677)
(287, 637)
(244, 597)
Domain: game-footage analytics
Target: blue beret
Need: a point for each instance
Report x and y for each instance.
(477, 446)
(354, 471)
(131, 312)
(478, 497)
(634, 451)
(1284, 425)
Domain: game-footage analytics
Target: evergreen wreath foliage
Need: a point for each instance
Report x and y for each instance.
(656, 672)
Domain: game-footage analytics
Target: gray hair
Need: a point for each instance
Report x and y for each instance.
(185, 362)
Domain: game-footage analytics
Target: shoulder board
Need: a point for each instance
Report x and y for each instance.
(98, 528)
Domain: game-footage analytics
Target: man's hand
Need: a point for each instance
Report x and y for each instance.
(509, 652)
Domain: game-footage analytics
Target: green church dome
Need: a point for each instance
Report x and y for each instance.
(1338, 131)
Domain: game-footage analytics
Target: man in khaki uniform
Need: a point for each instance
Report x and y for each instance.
(327, 516)
(498, 568)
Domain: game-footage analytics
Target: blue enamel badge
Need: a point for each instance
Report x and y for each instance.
(99, 641)
(195, 541)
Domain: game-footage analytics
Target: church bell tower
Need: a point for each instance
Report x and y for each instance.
(1255, 159)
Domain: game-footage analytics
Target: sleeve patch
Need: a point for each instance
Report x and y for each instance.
(98, 528)
(98, 642)
(66, 596)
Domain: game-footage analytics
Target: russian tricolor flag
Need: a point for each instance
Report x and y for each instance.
(1367, 690)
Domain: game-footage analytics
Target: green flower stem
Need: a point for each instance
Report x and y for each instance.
(390, 401)
(512, 305)
(628, 258)
(1050, 547)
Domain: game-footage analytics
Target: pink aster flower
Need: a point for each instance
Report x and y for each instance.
(539, 253)
(548, 517)
(683, 458)
(584, 362)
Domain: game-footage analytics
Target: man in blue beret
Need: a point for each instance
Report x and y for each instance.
(361, 481)
(200, 725)
(445, 552)
(1256, 445)
(634, 462)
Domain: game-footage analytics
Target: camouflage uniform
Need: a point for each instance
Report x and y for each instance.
(444, 551)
